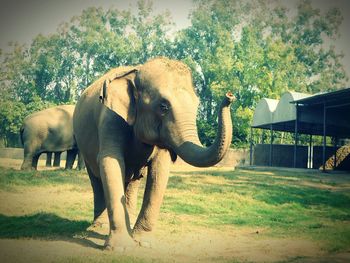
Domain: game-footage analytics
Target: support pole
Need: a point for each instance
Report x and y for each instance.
(251, 147)
(324, 138)
(296, 135)
(310, 153)
(271, 141)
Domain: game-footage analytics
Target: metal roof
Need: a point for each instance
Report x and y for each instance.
(335, 98)
(286, 111)
(307, 111)
(263, 112)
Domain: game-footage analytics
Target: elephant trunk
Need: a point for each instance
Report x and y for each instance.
(194, 153)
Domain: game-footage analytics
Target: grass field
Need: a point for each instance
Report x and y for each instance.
(207, 216)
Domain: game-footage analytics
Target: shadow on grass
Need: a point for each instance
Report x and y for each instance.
(47, 226)
(39, 225)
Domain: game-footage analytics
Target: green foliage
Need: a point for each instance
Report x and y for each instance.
(257, 49)
(241, 119)
(206, 132)
(12, 114)
(254, 48)
(11, 120)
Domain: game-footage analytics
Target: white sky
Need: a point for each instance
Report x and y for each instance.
(21, 20)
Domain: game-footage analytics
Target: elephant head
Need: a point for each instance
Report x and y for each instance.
(159, 101)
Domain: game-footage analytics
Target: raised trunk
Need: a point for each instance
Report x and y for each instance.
(193, 152)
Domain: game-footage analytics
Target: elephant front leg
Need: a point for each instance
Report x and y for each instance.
(157, 179)
(112, 175)
(131, 199)
(131, 192)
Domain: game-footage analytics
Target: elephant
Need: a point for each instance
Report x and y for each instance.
(135, 118)
(47, 131)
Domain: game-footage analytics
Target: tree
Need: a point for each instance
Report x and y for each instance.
(257, 49)
(12, 114)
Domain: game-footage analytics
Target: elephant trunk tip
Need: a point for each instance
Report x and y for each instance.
(229, 97)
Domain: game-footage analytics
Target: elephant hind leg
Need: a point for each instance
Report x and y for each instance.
(71, 155)
(57, 159)
(27, 163)
(100, 211)
(30, 160)
(35, 161)
(28, 157)
(48, 159)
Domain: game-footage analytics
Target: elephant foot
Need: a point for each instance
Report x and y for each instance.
(120, 243)
(27, 168)
(143, 238)
(99, 222)
(97, 226)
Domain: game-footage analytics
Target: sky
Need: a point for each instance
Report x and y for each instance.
(22, 20)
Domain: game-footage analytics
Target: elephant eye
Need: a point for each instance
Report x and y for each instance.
(164, 107)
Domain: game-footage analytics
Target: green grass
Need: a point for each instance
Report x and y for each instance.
(287, 204)
(283, 204)
(10, 179)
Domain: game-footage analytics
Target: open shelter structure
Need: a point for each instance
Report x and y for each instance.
(326, 114)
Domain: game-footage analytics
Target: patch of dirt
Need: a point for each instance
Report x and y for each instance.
(34, 199)
(200, 245)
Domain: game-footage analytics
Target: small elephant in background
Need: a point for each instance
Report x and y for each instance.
(49, 131)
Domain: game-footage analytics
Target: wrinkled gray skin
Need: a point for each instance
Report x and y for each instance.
(136, 117)
(47, 131)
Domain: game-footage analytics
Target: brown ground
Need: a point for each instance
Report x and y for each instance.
(197, 244)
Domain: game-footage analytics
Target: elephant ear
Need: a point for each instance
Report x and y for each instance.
(118, 93)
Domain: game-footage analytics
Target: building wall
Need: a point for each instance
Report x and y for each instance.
(283, 156)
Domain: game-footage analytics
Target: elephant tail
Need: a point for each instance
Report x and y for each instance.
(21, 135)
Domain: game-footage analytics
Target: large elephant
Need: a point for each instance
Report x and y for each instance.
(46, 131)
(135, 117)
